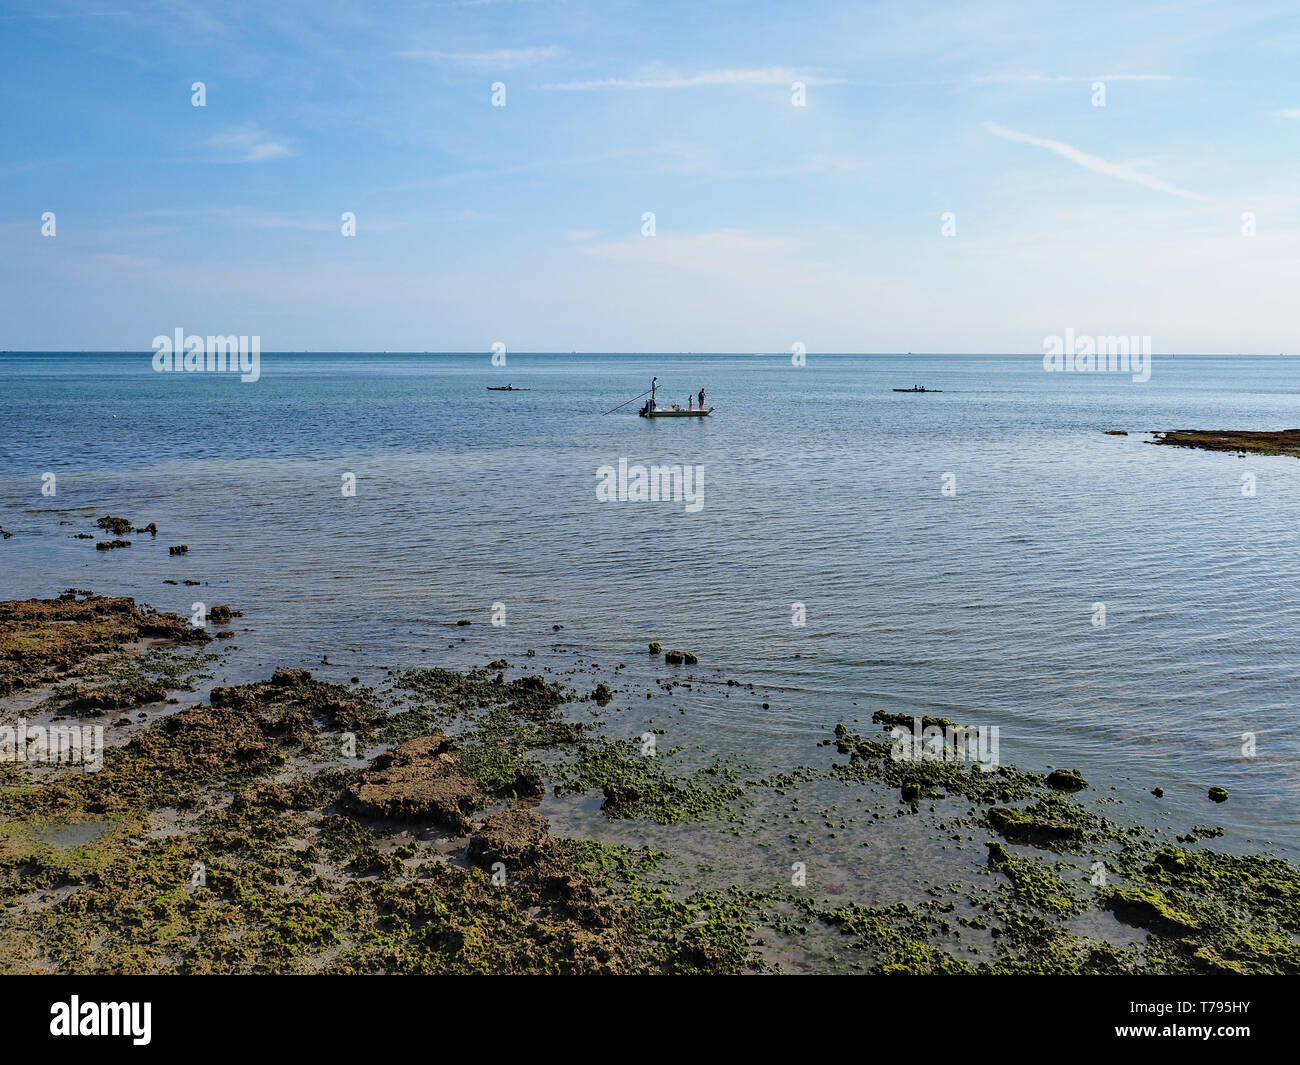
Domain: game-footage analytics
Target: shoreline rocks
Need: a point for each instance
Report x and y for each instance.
(418, 780)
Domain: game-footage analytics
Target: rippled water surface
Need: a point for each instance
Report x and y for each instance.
(821, 487)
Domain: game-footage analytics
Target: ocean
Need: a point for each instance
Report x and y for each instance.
(950, 551)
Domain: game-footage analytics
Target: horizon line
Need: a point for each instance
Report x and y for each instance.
(677, 354)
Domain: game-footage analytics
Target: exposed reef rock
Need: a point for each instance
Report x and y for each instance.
(418, 780)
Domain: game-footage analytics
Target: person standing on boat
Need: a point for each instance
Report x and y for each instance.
(701, 399)
(654, 384)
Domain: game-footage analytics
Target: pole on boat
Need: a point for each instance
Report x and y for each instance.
(632, 400)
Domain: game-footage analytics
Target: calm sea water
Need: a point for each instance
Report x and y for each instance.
(821, 487)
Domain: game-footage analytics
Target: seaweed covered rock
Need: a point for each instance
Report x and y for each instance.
(418, 780)
(120, 696)
(1026, 827)
(46, 640)
(517, 837)
(117, 526)
(1066, 780)
(305, 702)
(1148, 907)
(906, 721)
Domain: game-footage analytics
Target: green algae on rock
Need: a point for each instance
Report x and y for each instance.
(1255, 441)
(43, 641)
(1066, 780)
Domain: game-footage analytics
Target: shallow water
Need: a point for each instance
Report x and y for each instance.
(821, 487)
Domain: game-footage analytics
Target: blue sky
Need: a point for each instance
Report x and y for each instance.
(774, 224)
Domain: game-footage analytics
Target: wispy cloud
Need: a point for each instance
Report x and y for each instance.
(1092, 162)
(1071, 77)
(500, 58)
(748, 76)
(249, 143)
(1290, 112)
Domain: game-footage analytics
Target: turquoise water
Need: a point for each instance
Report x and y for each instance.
(821, 487)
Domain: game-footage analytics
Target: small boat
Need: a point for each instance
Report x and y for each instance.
(674, 412)
(506, 388)
(918, 388)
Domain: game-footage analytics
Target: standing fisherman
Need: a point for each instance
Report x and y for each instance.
(654, 384)
(701, 399)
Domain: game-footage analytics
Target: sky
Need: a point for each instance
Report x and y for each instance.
(1173, 211)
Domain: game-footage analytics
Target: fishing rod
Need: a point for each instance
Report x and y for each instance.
(632, 400)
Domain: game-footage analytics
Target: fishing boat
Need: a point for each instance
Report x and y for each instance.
(653, 410)
(673, 412)
(918, 388)
(506, 388)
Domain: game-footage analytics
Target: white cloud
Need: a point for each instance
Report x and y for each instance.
(250, 144)
(1092, 162)
(752, 76)
(1290, 112)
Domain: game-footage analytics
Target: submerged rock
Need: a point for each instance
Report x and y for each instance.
(674, 658)
(1218, 794)
(111, 545)
(178, 549)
